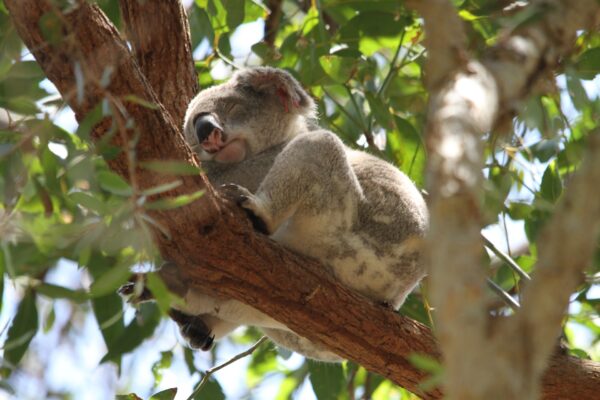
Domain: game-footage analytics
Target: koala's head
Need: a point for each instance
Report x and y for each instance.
(256, 109)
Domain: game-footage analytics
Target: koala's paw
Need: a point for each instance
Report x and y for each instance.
(245, 199)
(193, 329)
(135, 291)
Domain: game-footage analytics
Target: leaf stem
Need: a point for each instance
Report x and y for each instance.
(212, 370)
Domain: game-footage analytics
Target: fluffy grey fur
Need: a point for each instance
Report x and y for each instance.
(357, 214)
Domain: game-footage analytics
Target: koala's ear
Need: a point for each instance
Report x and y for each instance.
(277, 82)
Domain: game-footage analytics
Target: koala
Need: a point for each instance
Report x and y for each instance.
(361, 217)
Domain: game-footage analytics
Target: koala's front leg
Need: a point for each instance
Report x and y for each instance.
(245, 199)
(311, 176)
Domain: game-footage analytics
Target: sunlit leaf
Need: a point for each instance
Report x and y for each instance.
(60, 292)
(19, 104)
(162, 188)
(170, 167)
(174, 202)
(167, 394)
(588, 64)
(139, 101)
(166, 358)
(113, 183)
(161, 293)
(340, 69)
(110, 280)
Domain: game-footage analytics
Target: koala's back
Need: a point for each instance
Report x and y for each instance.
(391, 222)
(378, 255)
(393, 210)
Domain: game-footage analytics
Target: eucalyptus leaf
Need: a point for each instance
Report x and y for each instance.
(171, 167)
(588, 64)
(551, 187)
(139, 329)
(60, 292)
(174, 202)
(327, 380)
(113, 183)
(22, 329)
(167, 394)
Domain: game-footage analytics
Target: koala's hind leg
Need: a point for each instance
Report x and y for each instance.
(193, 329)
(310, 179)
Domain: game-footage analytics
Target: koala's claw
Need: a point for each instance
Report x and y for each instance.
(135, 291)
(244, 198)
(235, 192)
(386, 305)
(193, 329)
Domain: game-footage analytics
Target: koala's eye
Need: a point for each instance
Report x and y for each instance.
(248, 89)
(236, 108)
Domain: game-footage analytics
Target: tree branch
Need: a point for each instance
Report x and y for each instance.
(565, 247)
(273, 20)
(212, 244)
(159, 34)
(445, 40)
(462, 106)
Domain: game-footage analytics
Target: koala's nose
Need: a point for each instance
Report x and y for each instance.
(204, 125)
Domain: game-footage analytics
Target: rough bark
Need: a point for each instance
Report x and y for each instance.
(146, 23)
(566, 247)
(466, 101)
(214, 245)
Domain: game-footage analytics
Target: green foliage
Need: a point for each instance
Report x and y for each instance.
(140, 328)
(327, 380)
(22, 329)
(363, 62)
(167, 394)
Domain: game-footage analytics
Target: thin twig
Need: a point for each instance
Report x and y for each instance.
(357, 108)
(503, 295)
(343, 110)
(506, 258)
(212, 370)
(393, 69)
